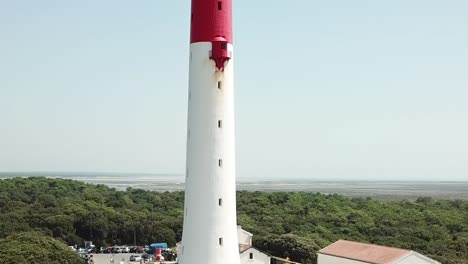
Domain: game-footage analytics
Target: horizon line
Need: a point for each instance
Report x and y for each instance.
(263, 179)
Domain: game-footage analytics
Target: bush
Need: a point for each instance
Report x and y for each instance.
(36, 248)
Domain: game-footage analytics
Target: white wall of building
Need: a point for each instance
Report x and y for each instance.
(416, 258)
(244, 237)
(254, 256)
(326, 259)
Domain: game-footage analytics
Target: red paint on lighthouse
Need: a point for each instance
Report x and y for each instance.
(211, 21)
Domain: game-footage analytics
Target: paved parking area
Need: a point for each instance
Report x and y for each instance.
(106, 258)
(125, 257)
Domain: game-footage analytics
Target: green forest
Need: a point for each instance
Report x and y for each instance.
(284, 224)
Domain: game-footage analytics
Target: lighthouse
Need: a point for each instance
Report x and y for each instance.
(210, 225)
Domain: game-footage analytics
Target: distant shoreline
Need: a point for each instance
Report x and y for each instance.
(385, 190)
(66, 174)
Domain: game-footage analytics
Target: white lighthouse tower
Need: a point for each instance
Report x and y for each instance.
(210, 227)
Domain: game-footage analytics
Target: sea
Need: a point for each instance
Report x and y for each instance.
(386, 190)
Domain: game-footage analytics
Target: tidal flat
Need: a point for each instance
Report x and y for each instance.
(387, 190)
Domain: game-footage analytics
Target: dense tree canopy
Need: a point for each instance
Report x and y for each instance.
(36, 248)
(293, 224)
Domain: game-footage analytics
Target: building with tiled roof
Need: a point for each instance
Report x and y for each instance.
(349, 252)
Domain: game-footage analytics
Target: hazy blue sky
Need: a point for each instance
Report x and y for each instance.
(324, 89)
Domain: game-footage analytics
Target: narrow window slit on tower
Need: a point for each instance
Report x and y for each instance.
(251, 256)
(220, 162)
(220, 241)
(219, 84)
(224, 46)
(220, 123)
(220, 7)
(220, 202)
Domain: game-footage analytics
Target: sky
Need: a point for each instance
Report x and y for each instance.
(328, 90)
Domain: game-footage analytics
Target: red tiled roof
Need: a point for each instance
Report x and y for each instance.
(364, 252)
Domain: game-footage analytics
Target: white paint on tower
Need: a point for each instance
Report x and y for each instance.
(210, 225)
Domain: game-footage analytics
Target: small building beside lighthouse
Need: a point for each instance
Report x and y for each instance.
(349, 252)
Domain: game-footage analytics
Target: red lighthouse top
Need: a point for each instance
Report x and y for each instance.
(211, 20)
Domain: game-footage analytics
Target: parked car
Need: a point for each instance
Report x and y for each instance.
(107, 250)
(135, 258)
(116, 250)
(147, 257)
(169, 255)
(91, 249)
(125, 249)
(136, 249)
